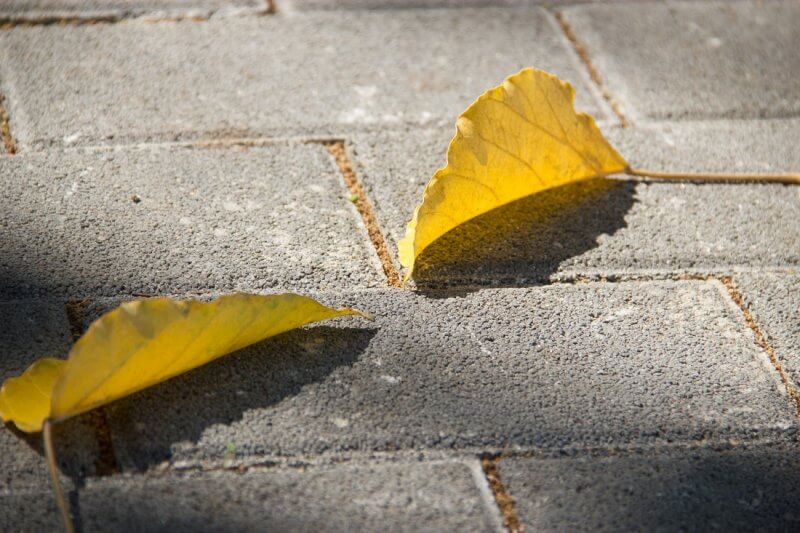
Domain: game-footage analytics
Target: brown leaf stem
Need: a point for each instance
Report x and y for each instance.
(58, 490)
(787, 178)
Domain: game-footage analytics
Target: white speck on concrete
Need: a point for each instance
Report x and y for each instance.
(340, 423)
(72, 138)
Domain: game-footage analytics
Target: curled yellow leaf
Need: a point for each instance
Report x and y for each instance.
(144, 342)
(517, 139)
(26, 399)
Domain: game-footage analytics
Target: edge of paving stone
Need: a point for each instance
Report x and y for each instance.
(739, 315)
(41, 17)
(374, 256)
(608, 114)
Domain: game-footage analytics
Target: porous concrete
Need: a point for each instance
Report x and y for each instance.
(184, 158)
(773, 298)
(166, 220)
(47, 11)
(705, 489)
(404, 496)
(315, 75)
(683, 60)
(33, 329)
(555, 366)
(308, 5)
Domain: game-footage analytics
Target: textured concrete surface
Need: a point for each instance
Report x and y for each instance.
(544, 367)
(739, 489)
(774, 301)
(677, 60)
(33, 329)
(414, 496)
(766, 146)
(607, 227)
(177, 220)
(616, 404)
(47, 10)
(144, 81)
(302, 5)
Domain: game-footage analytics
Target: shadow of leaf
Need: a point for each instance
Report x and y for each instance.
(524, 242)
(181, 410)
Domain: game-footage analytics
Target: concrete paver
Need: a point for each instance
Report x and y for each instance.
(303, 5)
(48, 10)
(607, 227)
(543, 367)
(34, 329)
(752, 146)
(678, 60)
(774, 300)
(242, 76)
(414, 496)
(737, 489)
(169, 220)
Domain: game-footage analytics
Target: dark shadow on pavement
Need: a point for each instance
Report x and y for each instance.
(523, 243)
(754, 489)
(147, 426)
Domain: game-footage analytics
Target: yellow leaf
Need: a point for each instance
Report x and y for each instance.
(144, 342)
(515, 140)
(26, 399)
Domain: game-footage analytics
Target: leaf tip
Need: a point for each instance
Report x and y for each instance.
(362, 314)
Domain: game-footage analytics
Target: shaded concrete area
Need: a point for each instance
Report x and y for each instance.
(738, 489)
(416, 496)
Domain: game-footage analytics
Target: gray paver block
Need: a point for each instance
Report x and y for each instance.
(302, 5)
(767, 146)
(274, 217)
(696, 59)
(317, 74)
(47, 10)
(410, 496)
(774, 300)
(555, 366)
(33, 329)
(606, 227)
(739, 489)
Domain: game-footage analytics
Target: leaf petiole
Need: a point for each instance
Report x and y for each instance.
(52, 466)
(714, 176)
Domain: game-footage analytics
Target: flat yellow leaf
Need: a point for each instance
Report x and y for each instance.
(144, 342)
(515, 140)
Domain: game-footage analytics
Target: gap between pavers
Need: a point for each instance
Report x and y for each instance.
(774, 300)
(240, 76)
(606, 227)
(548, 367)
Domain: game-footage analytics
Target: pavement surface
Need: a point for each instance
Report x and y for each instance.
(622, 354)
